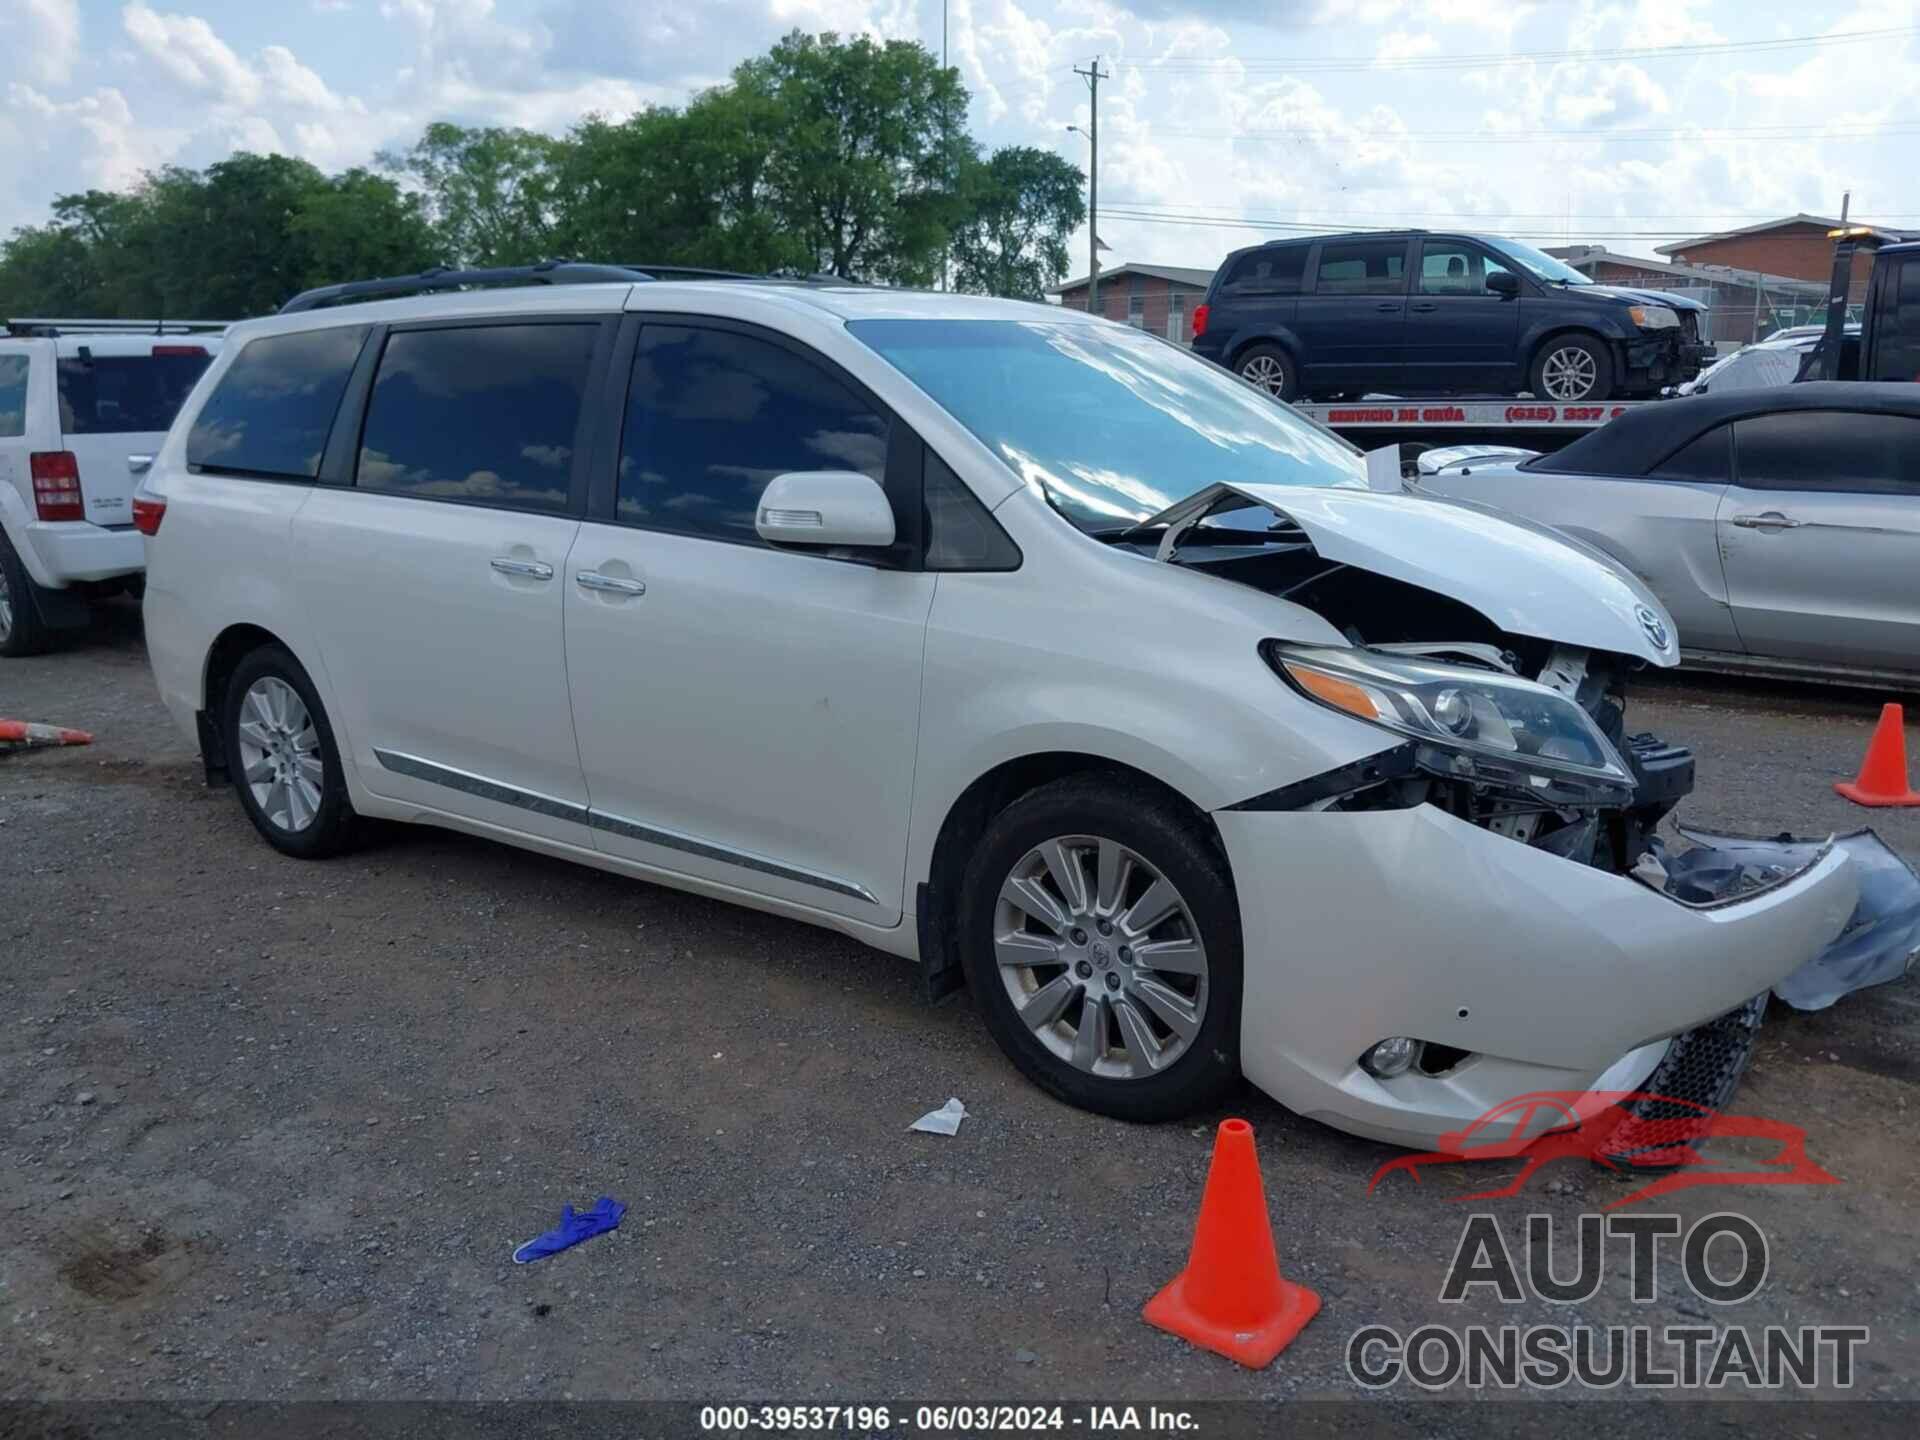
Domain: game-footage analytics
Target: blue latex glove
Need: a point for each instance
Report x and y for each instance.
(572, 1229)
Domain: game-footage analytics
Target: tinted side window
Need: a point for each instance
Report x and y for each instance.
(13, 395)
(1830, 450)
(1450, 268)
(485, 413)
(114, 394)
(1268, 272)
(1706, 457)
(1896, 324)
(272, 409)
(712, 416)
(1362, 267)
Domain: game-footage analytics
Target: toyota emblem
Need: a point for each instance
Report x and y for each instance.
(1655, 627)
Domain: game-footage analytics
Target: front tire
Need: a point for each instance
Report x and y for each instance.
(22, 631)
(1571, 369)
(281, 754)
(1269, 368)
(1101, 939)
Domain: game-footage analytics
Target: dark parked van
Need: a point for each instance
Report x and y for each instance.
(1415, 312)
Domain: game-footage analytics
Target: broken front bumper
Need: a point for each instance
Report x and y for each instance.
(1360, 925)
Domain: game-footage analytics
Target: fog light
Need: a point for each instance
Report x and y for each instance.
(1391, 1057)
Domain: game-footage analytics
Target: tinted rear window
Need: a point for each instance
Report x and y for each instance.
(120, 394)
(271, 411)
(13, 395)
(1268, 272)
(1362, 267)
(483, 413)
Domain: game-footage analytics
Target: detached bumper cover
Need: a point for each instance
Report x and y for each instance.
(1361, 925)
(1881, 939)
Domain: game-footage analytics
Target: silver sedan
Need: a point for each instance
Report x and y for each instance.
(1781, 527)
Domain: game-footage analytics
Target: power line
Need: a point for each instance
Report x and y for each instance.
(1196, 65)
(1637, 136)
(1140, 216)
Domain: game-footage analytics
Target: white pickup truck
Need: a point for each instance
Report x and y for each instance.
(83, 406)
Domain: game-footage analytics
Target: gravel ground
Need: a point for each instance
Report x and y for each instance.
(272, 1129)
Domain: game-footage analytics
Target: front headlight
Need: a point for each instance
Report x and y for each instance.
(1654, 317)
(1473, 725)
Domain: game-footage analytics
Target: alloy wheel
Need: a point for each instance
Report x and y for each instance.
(280, 754)
(1267, 372)
(1101, 957)
(1569, 374)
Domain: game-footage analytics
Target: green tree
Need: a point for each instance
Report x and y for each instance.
(359, 224)
(676, 187)
(1019, 209)
(868, 144)
(490, 192)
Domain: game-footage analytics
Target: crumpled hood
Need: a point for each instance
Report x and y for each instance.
(1525, 578)
(1641, 297)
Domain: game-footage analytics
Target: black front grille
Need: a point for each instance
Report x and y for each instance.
(1694, 1082)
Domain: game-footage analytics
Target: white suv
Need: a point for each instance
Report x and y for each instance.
(991, 634)
(83, 406)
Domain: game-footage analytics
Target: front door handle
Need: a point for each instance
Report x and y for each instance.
(1766, 520)
(522, 569)
(1424, 306)
(609, 584)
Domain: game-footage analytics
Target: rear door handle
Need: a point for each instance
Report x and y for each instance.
(523, 569)
(1766, 520)
(609, 584)
(1385, 308)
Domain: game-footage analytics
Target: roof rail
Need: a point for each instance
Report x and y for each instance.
(547, 272)
(689, 272)
(43, 326)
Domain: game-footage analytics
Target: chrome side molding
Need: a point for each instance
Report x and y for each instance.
(482, 788)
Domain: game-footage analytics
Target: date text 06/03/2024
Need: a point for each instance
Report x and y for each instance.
(945, 1419)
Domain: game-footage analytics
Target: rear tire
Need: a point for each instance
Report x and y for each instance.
(1109, 1005)
(281, 754)
(1571, 370)
(22, 631)
(1269, 368)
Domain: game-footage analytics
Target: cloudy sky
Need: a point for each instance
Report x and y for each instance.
(1544, 120)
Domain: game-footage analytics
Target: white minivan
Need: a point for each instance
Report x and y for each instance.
(83, 406)
(995, 635)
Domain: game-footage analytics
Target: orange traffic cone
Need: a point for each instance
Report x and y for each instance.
(20, 732)
(1883, 774)
(1231, 1298)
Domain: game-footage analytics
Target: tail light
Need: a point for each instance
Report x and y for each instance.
(148, 512)
(56, 485)
(1199, 321)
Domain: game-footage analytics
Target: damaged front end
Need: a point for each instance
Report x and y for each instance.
(1498, 656)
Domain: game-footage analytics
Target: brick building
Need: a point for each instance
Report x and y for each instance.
(1743, 305)
(1795, 246)
(1159, 298)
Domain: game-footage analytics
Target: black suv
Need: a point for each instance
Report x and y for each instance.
(1411, 312)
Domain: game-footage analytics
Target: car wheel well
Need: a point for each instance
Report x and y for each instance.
(1238, 353)
(229, 648)
(967, 820)
(1561, 334)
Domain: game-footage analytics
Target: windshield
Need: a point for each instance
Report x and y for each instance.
(1112, 424)
(1539, 264)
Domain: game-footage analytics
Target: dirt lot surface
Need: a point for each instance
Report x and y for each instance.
(272, 1129)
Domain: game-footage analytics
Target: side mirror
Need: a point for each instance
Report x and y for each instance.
(1503, 283)
(824, 507)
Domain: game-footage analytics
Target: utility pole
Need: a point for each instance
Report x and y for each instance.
(1093, 77)
(946, 140)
